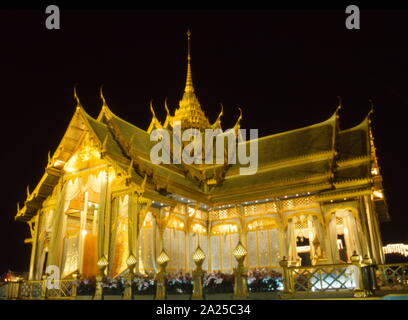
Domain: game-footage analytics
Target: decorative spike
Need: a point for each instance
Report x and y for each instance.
(189, 80)
(221, 113)
(372, 107)
(237, 126)
(151, 109)
(18, 207)
(165, 106)
(144, 182)
(129, 170)
(131, 140)
(340, 103)
(102, 97)
(28, 191)
(239, 118)
(76, 96)
(105, 143)
(49, 157)
(370, 113)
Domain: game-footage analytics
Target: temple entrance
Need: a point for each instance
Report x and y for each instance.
(80, 236)
(303, 240)
(341, 245)
(44, 264)
(224, 238)
(120, 242)
(263, 243)
(345, 235)
(174, 243)
(303, 250)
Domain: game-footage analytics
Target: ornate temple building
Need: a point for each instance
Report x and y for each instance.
(316, 197)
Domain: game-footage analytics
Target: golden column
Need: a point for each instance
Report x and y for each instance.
(240, 283)
(198, 273)
(137, 207)
(162, 260)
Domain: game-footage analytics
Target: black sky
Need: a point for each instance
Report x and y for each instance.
(285, 69)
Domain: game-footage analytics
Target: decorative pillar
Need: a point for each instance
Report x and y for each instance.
(287, 288)
(82, 232)
(240, 283)
(108, 217)
(34, 246)
(198, 273)
(44, 287)
(371, 236)
(162, 260)
(19, 287)
(131, 263)
(359, 292)
(369, 274)
(75, 285)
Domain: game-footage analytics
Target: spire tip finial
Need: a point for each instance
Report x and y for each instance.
(101, 95)
(370, 113)
(76, 96)
(189, 80)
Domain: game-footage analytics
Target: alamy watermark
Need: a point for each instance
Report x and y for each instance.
(52, 21)
(187, 146)
(53, 277)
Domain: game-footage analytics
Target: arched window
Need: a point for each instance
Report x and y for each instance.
(224, 237)
(263, 243)
(174, 243)
(198, 236)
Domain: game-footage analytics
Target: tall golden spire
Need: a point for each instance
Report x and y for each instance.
(189, 80)
(189, 112)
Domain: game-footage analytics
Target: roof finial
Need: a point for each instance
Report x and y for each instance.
(76, 96)
(189, 81)
(238, 123)
(151, 109)
(102, 97)
(166, 107)
(340, 103)
(372, 106)
(370, 113)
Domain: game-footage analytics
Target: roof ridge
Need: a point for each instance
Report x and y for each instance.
(356, 127)
(127, 122)
(331, 119)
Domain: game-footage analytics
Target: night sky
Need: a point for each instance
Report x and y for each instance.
(285, 69)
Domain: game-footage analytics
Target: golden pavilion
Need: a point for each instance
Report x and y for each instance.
(316, 198)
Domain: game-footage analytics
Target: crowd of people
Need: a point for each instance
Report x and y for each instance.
(264, 280)
(259, 280)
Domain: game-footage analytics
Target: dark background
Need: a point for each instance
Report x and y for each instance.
(285, 69)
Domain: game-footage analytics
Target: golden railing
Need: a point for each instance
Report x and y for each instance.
(322, 278)
(31, 289)
(12, 290)
(392, 276)
(66, 289)
(357, 278)
(37, 289)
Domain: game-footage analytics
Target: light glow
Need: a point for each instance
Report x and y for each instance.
(399, 248)
(378, 194)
